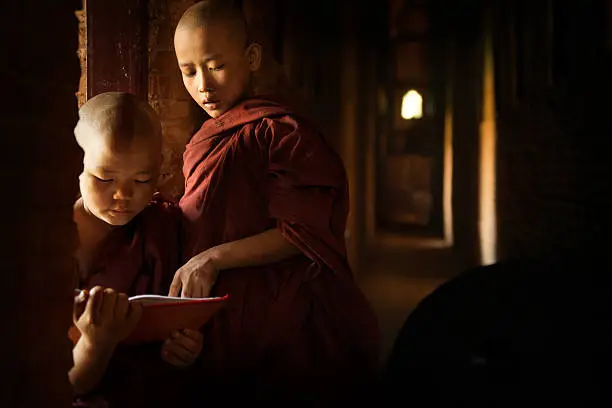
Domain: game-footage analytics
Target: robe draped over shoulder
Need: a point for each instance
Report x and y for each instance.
(301, 323)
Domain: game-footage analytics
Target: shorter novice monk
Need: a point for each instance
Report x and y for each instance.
(129, 239)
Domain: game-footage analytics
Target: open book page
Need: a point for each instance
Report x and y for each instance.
(161, 315)
(159, 299)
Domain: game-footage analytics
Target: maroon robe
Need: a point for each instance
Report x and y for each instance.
(299, 327)
(137, 258)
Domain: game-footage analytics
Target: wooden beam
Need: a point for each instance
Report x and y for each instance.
(117, 37)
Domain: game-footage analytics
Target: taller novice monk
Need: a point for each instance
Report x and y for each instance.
(265, 203)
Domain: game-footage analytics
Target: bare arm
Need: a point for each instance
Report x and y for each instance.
(90, 363)
(261, 249)
(198, 275)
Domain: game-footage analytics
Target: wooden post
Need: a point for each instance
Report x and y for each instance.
(117, 50)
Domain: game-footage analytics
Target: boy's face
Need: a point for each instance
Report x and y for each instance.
(215, 65)
(118, 183)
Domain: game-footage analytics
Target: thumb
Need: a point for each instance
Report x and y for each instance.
(175, 286)
(79, 305)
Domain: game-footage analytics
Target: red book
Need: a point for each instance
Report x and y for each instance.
(162, 315)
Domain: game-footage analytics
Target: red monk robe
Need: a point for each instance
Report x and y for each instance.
(137, 258)
(297, 326)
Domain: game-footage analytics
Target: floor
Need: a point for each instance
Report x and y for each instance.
(396, 282)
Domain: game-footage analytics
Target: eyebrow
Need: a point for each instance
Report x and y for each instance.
(206, 60)
(107, 171)
(104, 170)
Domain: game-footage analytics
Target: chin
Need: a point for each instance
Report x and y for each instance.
(118, 221)
(214, 113)
(220, 110)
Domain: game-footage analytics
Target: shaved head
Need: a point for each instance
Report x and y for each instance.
(208, 12)
(216, 57)
(117, 119)
(121, 139)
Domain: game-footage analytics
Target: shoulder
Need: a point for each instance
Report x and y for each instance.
(162, 210)
(78, 210)
(288, 128)
(161, 202)
(159, 225)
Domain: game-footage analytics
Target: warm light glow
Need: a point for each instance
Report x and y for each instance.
(488, 140)
(447, 192)
(412, 105)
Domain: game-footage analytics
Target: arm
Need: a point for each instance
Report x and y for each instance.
(90, 363)
(261, 249)
(198, 275)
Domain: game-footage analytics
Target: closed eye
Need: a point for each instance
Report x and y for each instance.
(101, 180)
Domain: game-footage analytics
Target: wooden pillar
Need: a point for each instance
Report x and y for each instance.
(117, 46)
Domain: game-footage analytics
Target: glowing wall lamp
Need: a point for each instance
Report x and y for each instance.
(412, 105)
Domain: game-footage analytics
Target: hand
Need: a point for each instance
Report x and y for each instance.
(196, 278)
(104, 317)
(182, 348)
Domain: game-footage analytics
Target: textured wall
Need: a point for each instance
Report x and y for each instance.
(553, 181)
(180, 116)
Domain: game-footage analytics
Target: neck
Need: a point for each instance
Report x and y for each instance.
(91, 229)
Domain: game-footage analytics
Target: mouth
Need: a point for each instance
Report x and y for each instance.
(120, 211)
(211, 104)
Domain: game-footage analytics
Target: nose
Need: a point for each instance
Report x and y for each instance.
(204, 82)
(124, 191)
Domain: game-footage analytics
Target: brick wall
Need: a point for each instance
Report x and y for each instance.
(553, 174)
(40, 166)
(82, 53)
(179, 114)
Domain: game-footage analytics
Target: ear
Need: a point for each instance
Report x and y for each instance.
(254, 54)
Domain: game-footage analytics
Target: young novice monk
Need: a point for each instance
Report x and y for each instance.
(128, 238)
(265, 203)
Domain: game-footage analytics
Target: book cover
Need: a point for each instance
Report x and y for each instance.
(161, 315)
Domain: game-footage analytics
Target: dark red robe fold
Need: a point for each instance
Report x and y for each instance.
(300, 325)
(138, 258)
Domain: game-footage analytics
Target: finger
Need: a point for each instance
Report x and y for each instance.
(194, 335)
(187, 287)
(181, 353)
(108, 304)
(175, 286)
(83, 294)
(80, 302)
(94, 304)
(186, 342)
(165, 344)
(202, 289)
(121, 306)
(171, 358)
(168, 353)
